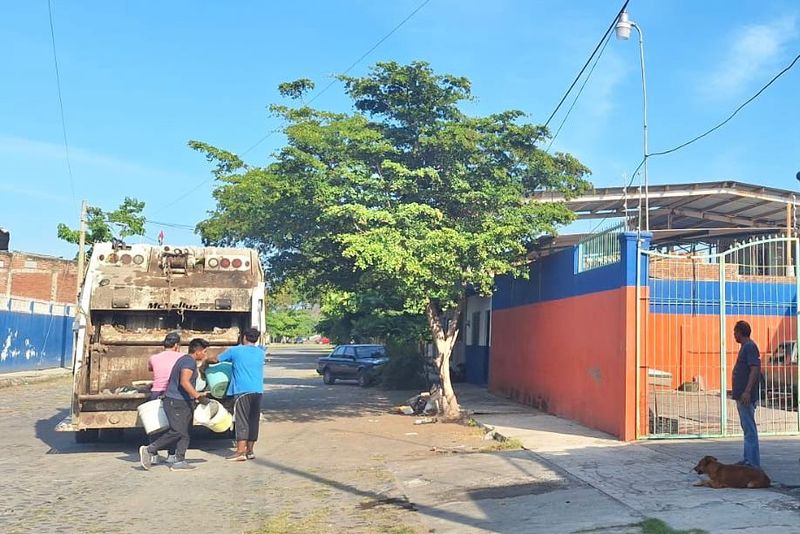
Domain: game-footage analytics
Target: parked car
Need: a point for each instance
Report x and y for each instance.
(353, 362)
(780, 370)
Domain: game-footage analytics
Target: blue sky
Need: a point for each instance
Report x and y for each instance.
(139, 79)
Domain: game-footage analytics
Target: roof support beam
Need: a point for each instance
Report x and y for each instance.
(716, 217)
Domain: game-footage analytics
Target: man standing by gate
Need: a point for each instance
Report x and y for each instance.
(747, 390)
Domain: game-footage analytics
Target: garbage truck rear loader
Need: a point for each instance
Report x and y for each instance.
(132, 297)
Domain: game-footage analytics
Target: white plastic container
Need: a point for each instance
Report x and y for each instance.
(152, 416)
(213, 416)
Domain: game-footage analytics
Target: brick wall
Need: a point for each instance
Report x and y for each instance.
(37, 277)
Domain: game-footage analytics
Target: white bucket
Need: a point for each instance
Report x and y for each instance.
(200, 384)
(152, 416)
(214, 416)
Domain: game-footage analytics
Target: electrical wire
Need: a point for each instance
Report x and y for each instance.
(351, 67)
(170, 225)
(720, 124)
(317, 95)
(732, 115)
(589, 60)
(61, 101)
(577, 96)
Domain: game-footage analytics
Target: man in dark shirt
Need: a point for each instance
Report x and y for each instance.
(179, 401)
(746, 390)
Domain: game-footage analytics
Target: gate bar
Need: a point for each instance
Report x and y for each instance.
(638, 387)
(797, 325)
(723, 349)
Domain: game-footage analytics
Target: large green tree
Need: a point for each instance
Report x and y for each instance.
(407, 193)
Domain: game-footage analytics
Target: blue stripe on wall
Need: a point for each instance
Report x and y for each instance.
(703, 298)
(34, 341)
(555, 277)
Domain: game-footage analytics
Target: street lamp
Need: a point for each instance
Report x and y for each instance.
(623, 31)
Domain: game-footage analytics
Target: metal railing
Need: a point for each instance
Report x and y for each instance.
(601, 248)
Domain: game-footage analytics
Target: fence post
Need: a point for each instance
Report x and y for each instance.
(723, 351)
(797, 322)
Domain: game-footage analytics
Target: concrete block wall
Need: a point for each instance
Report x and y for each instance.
(37, 277)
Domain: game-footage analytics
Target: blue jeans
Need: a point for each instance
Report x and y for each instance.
(747, 417)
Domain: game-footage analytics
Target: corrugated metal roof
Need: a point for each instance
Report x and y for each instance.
(726, 204)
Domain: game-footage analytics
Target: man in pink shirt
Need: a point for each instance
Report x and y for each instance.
(161, 365)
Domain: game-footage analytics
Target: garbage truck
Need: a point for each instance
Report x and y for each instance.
(131, 298)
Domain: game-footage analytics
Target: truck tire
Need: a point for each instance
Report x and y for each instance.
(363, 379)
(87, 436)
(328, 377)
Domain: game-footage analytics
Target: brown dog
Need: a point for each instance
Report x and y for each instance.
(730, 476)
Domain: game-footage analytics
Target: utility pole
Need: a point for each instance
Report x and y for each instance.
(76, 324)
(81, 249)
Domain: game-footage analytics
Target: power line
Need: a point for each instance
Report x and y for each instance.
(317, 95)
(60, 100)
(720, 124)
(589, 60)
(170, 225)
(351, 67)
(580, 91)
(732, 115)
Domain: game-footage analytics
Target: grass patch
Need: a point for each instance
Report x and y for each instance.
(285, 524)
(512, 444)
(656, 526)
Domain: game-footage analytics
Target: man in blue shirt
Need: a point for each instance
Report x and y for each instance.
(746, 390)
(247, 386)
(179, 401)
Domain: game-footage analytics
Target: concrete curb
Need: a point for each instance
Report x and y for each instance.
(32, 377)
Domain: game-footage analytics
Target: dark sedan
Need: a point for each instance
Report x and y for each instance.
(353, 362)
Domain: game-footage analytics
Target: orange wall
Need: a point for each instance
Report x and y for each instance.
(688, 346)
(573, 357)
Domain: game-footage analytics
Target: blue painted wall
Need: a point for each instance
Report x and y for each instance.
(702, 297)
(34, 341)
(555, 277)
(477, 364)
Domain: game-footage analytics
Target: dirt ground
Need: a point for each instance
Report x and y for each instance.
(325, 463)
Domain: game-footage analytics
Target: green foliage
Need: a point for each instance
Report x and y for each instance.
(369, 315)
(406, 366)
(296, 89)
(656, 526)
(288, 315)
(291, 323)
(127, 220)
(408, 194)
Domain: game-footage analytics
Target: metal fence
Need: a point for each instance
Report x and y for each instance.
(34, 334)
(688, 306)
(601, 248)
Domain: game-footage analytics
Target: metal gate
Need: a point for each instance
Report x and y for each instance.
(687, 305)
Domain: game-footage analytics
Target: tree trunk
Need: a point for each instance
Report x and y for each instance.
(444, 341)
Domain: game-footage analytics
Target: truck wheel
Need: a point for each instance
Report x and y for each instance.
(363, 379)
(328, 378)
(87, 436)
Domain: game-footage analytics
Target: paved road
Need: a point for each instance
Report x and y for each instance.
(323, 465)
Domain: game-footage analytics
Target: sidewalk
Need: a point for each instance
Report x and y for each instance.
(653, 478)
(30, 377)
